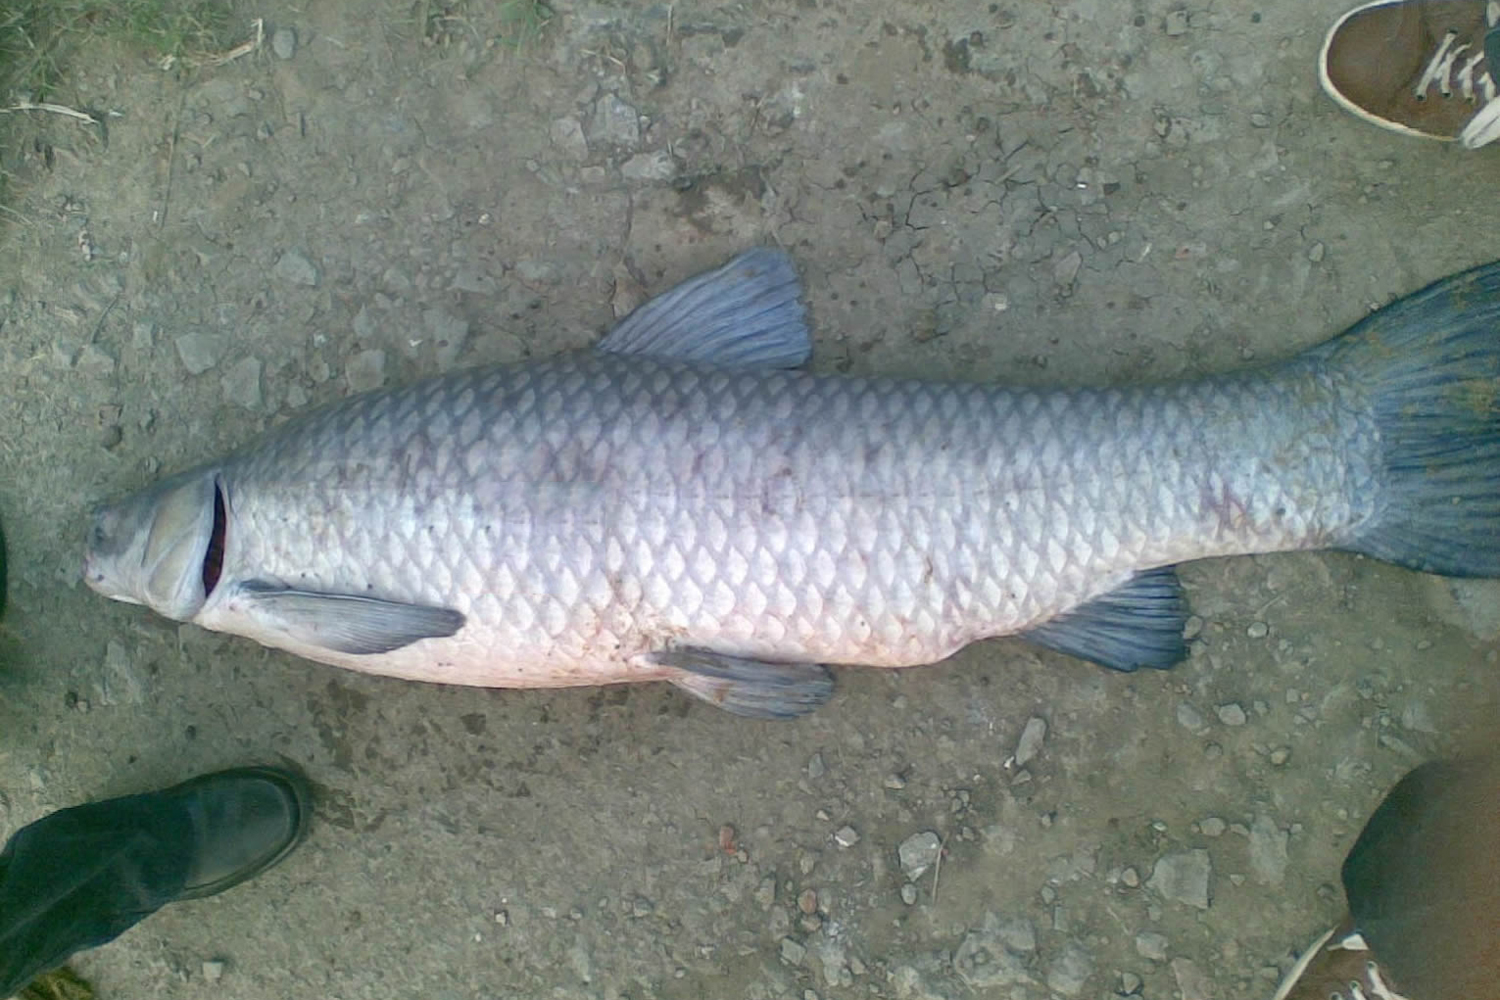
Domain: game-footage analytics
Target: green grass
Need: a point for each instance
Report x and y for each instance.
(512, 23)
(37, 37)
(522, 21)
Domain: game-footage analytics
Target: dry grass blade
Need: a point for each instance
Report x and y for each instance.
(56, 109)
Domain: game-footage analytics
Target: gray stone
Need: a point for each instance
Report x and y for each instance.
(1070, 970)
(1232, 714)
(284, 43)
(918, 853)
(294, 266)
(449, 335)
(241, 383)
(567, 137)
(1176, 23)
(792, 953)
(1016, 933)
(657, 166)
(1267, 851)
(1192, 982)
(94, 360)
(1478, 604)
(1190, 718)
(200, 351)
(121, 684)
(1415, 717)
(364, 323)
(615, 123)
(536, 272)
(1183, 877)
(1149, 944)
(1030, 743)
(473, 279)
(365, 371)
(983, 960)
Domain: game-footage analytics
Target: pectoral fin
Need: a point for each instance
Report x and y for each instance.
(344, 623)
(751, 688)
(1135, 625)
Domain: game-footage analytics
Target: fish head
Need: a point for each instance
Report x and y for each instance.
(160, 547)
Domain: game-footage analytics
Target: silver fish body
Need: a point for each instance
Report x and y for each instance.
(642, 512)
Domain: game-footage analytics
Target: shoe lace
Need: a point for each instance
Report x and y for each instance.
(1452, 67)
(1379, 988)
(1455, 66)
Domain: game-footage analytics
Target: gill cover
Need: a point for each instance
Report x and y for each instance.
(160, 547)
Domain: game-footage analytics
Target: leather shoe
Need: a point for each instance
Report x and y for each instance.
(245, 820)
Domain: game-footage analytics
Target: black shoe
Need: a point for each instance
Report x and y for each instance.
(82, 876)
(245, 820)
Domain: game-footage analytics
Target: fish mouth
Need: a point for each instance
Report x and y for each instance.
(163, 547)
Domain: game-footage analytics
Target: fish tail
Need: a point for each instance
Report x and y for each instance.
(1429, 366)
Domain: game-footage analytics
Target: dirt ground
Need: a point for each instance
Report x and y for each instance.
(1017, 191)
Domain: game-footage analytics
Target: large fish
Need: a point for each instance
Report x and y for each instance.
(683, 504)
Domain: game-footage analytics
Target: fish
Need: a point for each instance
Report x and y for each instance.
(687, 502)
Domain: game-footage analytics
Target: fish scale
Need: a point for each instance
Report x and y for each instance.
(924, 517)
(633, 513)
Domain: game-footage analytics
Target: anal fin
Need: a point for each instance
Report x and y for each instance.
(345, 623)
(755, 689)
(1138, 624)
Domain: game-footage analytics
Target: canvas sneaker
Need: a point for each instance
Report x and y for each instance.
(1418, 67)
(1337, 966)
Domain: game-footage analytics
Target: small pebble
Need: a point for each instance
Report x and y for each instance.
(1152, 945)
(894, 781)
(919, 852)
(846, 836)
(1183, 877)
(1280, 756)
(365, 371)
(1232, 714)
(1130, 877)
(200, 351)
(1213, 826)
(816, 767)
(1030, 743)
(908, 894)
(1189, 717)
(1258, 630)
(807, 902)
(284, 43)
(213, 971)
(726, 839)
(1176, 23)
(294, 266)
(792, 953)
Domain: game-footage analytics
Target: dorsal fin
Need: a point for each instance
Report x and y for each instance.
(747, 313)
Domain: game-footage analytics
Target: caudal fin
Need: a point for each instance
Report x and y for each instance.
(1431, 365)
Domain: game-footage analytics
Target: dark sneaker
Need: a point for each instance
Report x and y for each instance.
(244, 821)
(1337, 966)
(1418, 67)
